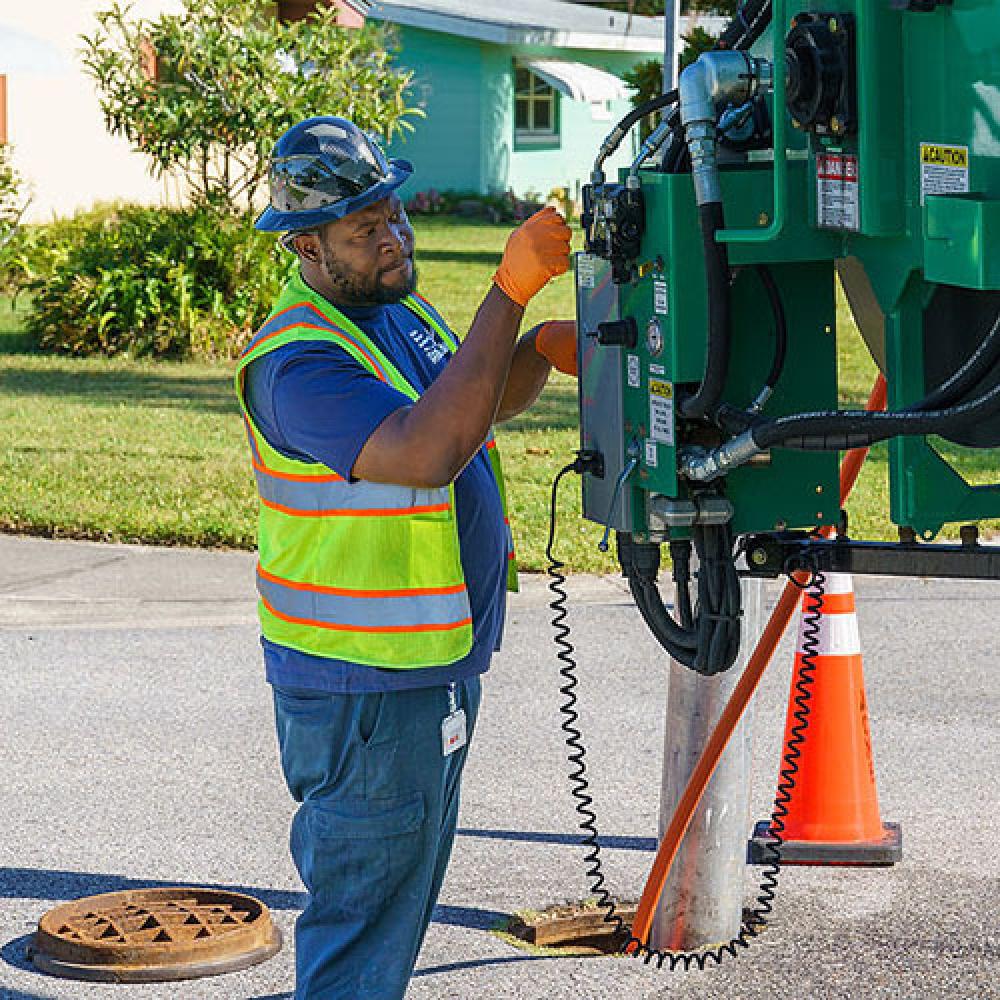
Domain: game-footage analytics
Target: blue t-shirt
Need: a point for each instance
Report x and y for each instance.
(314, 402)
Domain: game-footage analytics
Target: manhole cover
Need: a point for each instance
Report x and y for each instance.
(152, 935)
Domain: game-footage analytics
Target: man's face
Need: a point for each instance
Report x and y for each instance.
(366, 258)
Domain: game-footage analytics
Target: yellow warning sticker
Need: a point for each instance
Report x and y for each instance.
(943, 169)
(945, 156)
(661, 413)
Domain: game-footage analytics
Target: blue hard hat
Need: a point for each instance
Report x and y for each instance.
(323, 169)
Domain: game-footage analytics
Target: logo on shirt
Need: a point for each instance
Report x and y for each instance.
(429, 344)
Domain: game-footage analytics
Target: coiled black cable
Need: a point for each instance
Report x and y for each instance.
(757, 918)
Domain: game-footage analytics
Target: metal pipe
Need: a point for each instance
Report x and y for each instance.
(737, 705)
(671, 42)
(702, 901)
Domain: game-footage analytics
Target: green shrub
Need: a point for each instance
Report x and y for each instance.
(155, 282)
(13, 202)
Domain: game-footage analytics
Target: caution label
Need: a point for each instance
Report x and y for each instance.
(943, 169)
(838, 203)
(661, 411)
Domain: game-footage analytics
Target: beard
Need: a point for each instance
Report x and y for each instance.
(382, 287)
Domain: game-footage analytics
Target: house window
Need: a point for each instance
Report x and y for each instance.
(536, 109)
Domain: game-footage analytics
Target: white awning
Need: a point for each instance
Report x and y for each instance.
(578, 81)
(22, 52)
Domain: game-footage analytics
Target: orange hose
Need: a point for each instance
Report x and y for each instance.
(736, 706)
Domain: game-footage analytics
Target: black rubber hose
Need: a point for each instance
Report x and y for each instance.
(747, 26)
(709, 640)
(780, 324)
(640, 563)
(749, 23)
(619, 132)
(717, 348)
(980, 364)
(839, 430)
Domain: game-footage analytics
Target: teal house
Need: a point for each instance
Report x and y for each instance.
(517, 94)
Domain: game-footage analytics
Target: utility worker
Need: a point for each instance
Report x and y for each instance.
(384, 551)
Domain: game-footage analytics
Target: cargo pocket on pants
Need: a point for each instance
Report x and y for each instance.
(360, 851)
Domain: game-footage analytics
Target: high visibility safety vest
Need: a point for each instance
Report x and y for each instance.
(364, 572)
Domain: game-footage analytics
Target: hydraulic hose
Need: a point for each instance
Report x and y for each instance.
(780, 325)
(705, 400)
(615, 136)
(706, 640)
(746, 26)
(981, 363)
(735, 707)
(840, 430)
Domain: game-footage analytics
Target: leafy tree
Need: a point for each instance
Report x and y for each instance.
(204, 93)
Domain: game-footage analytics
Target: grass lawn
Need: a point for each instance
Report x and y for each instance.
(128, 450)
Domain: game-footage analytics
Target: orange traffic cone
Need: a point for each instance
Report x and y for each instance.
(833, 814)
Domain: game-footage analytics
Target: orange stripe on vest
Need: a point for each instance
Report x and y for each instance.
(436, 508)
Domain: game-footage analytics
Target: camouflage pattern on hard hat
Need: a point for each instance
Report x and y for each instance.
(323, 169)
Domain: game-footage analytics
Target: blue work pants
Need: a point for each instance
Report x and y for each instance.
(374, 832)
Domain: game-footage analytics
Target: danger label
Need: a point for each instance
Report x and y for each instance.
(838, 204)
(661, 411)
(943, 169)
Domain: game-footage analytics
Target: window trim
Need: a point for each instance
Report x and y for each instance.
(532, 138)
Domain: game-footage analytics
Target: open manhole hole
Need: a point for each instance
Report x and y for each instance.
(576, 928)
(153, 935)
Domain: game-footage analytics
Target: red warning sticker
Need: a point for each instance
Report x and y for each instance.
(838, 203)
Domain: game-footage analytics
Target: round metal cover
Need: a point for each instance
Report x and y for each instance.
(153, 935)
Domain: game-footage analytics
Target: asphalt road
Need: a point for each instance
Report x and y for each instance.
(138, 750)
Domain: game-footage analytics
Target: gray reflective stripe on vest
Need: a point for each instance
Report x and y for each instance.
(316, 497)
(365, 613)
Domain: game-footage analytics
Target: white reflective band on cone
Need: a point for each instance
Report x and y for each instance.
(838, 634)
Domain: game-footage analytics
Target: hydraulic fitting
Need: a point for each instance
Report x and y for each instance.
(731, 77)
(701, 465)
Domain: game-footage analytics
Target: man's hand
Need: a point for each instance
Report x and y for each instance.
(536, 252)
(556, 342)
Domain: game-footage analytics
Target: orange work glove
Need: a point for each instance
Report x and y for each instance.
(556, 341)
(536, 251)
